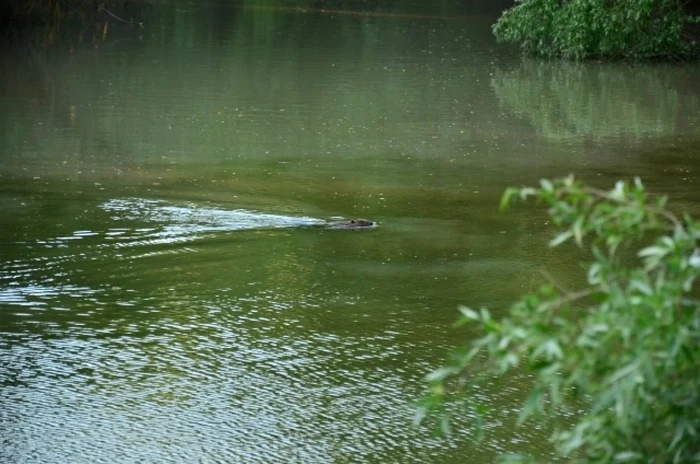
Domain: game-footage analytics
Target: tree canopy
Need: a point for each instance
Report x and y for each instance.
(618, 29)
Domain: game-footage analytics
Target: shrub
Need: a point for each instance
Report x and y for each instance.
(624, 349)
(617, 29)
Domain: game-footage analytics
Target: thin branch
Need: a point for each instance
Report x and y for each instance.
(606, 195)
(101, 8)
(570, 297)
(602, 194)
(552, 281)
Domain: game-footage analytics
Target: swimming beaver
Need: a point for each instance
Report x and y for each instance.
(351, 224)
(191, 220)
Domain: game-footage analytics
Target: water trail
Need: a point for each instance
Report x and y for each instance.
(186, 223)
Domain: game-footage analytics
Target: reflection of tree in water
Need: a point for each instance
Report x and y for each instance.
(443, 8)
(567, 100)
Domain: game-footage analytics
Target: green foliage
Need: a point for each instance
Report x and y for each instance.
(581, 29)
(622, 352)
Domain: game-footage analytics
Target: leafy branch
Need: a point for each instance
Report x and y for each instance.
(629, 361)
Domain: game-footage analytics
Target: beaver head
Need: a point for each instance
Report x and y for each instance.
(352, 224)
(360, 223)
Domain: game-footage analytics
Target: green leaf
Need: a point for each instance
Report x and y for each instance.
(438, 375)
(594, 271)
(626, 456)
(506, 198)
(515, 459)
(619, 192)
(623, 372)
(687, 284)
(539, 364)
(561, 238)
(553, 350)
(550, 349)
(694, 260)
(642, 286)
(445, 428)
(503, 343)
(578, 231)
(653, 251)
(420, 414)
(468, 313)
(599, 256)
(509, 360)
(668, 242)
(467, 358)
(598, 328)
(527, 192)
(533, 405)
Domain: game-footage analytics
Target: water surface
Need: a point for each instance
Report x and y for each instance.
(140, 322)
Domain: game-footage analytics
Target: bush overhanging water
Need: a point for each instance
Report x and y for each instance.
(620, 354)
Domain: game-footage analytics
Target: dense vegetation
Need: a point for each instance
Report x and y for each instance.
(619, 29)
(618, 357)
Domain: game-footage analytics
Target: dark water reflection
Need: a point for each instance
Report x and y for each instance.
(139, 322)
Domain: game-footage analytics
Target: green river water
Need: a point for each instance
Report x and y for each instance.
(159, 304)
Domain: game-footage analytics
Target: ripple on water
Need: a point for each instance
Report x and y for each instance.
(273, 373)
(228, 380)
